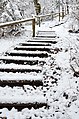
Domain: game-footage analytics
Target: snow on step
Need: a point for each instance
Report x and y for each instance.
(22, 99)
(21, 76)
(33, 47)
(24, 62)
(22, 58)
(46, 34)
(26, 52)
(26, 113)
(20, 79)
(53, 41)
(34, 44)
(19, 68)
(18, 95)
(42, 38)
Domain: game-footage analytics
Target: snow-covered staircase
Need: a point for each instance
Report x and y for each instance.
(21, 73)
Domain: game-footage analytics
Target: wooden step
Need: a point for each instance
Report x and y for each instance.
(22, 60)
(42, 38)
(33, 48)
(12, 83)
(22, 97)
(34, 44)
(43, 41)
(21, 106)
(47, 34)
(19, 68)
(28, 53)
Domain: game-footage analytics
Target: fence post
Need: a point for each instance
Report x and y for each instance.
(39, 21)
(33, 27)
(62, 14)
(59, 16)
(52, 16)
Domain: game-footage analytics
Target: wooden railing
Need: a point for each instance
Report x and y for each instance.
(30, 19)
(53, 15)
(18, 22)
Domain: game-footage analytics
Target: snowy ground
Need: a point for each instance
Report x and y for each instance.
(63, 95)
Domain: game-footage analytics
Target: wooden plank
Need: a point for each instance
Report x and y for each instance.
(28, 54)
(22, 105)
(15, 22)
(33, 27)
(19, 83)
(19, 70)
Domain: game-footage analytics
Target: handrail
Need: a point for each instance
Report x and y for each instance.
(46, 15)
(51, 14)
(28, 19)
(20, 21)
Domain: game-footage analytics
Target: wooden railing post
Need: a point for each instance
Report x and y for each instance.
(39, 21)
(59, 16)
(33, 27)
(52, 16)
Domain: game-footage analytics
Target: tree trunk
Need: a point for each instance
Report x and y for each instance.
(62, 9)
(67, 6)
(59, 10)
